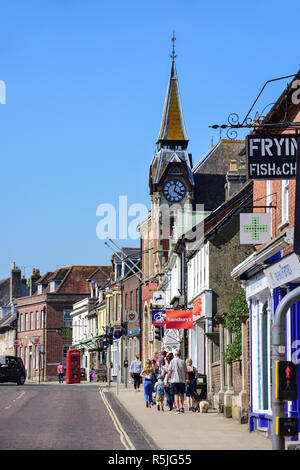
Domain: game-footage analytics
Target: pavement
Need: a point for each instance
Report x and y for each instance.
(163, 430)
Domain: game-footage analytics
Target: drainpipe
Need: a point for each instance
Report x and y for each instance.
(278, 354)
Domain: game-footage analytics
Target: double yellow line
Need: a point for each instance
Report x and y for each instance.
(124, 438)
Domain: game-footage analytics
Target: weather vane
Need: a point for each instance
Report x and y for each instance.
(173, 39)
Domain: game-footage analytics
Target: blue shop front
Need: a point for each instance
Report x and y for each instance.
(267, 276)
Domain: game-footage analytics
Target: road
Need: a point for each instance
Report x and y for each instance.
(55, 417)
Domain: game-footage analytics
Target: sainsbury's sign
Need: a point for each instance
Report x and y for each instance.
(179, 319)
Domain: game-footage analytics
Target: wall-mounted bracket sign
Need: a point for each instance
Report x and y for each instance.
(255, 228)
(159, 299)
(272, 156)
(179, 319)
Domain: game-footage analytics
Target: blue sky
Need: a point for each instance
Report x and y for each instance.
(85, 87)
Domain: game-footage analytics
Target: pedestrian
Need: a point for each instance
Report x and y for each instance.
(162, 360)
(155, 357)
(60, 372)
(160, 393)
(177, 372)
(147, 374)
(167, 384)
(135, 371)
(190, 388)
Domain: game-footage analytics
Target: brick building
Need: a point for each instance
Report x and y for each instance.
(44, 321)
(272, 270)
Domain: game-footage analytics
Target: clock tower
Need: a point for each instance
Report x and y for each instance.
(171, 180)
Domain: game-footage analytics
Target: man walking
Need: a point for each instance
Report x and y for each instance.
(177, 371)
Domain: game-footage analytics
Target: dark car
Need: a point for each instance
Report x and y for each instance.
(12, 370)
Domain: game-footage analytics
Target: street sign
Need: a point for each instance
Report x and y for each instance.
(255, 228)
(36, 340)
(271, 156)
(17, 343)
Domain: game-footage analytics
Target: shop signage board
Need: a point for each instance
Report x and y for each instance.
(132, 316)
(158, 317)
(179, 319)
(159, 299)
(272, 156)
(284, 271)
(255, 228)
(197, 306)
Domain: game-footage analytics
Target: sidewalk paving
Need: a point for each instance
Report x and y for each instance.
(188, 430)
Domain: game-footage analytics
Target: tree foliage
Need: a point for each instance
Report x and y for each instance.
(237, 306)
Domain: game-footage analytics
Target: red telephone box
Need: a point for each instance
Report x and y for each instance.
(73, 366)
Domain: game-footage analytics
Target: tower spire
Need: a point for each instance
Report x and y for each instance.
(172, 131)
(173, 39)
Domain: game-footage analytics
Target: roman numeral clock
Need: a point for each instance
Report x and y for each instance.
(174, 190)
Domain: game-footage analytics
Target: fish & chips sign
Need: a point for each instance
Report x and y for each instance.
(272, 156)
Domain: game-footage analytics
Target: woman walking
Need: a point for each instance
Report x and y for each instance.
(135, 371)
(190, 388)
(169, 395)
(147, 374)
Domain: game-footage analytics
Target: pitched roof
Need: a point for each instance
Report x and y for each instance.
(72, 279)
(217, 159)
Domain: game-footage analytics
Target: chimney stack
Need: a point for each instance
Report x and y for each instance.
(235, 177)
(15, 282)
(33, 279)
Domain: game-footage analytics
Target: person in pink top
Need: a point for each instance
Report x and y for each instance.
(60, 371)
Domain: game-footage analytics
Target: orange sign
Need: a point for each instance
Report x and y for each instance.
(179, 319)
(197, 306)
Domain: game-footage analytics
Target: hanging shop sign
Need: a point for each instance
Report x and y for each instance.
(158, 317)
(179, 319)
(132, 316)
(255, 228)
(271, 156)
(159, 298)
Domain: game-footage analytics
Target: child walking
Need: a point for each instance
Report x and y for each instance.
(159, 388)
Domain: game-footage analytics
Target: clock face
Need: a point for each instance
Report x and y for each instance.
(174, 190)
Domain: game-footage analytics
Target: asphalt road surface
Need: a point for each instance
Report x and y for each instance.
(55, 417)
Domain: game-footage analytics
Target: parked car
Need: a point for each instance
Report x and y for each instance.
(12, 370)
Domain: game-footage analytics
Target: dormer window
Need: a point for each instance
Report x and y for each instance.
(53, 285)
(40, 288)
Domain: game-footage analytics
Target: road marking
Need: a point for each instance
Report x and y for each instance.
(20, 396)
(123, 435)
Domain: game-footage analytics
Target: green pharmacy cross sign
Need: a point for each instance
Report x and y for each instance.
(255, 228)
